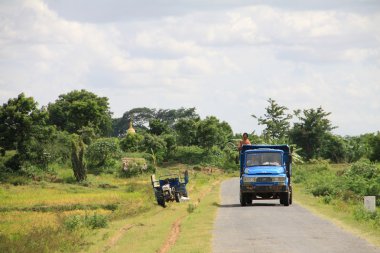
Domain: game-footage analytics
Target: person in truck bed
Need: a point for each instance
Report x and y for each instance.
(244, 141)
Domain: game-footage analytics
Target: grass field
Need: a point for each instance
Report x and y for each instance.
(111, 214)
(105, 214)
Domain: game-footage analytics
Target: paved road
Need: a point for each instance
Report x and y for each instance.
(268, 227)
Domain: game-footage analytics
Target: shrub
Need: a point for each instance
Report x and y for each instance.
(103, 152)
(94, 221)
(189, 154)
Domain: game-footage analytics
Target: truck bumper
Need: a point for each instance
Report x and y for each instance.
(264, 188)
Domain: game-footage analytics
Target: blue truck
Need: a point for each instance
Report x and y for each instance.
(265, 173)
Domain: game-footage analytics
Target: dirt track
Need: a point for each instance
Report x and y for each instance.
(268, 227)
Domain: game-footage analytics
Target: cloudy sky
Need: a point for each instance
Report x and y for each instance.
(225, 57)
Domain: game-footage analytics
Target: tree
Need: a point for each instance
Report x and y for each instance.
(131, 142)
(375, 148)
(102, 151)
(77, 159)
(79, 109)
(211, 132)
(171, 116)
(23, 128)
(309, 133)
(155, 145)
(158, 127)
(142, 116)
(334, 148)
(186, 130)
(276, 121)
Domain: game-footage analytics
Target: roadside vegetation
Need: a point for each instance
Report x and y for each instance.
(72, 178)
(337, 192)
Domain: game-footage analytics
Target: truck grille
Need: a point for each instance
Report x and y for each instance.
(264, 179)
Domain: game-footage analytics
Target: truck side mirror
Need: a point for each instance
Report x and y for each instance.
(186, 176)
(290, 158)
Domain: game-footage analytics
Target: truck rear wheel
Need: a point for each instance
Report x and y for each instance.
(291, 196)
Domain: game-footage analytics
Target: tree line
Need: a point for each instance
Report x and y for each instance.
(78, 128)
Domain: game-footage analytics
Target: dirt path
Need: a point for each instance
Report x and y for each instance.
(116, 237)
(270, 227)
(173, 236)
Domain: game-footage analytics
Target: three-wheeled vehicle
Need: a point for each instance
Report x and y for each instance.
(169, 188)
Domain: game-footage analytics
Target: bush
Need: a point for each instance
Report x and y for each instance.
(189, 154)
(102, 152)
(94, 221)
(362, 178)
(361, 214)
(131, 142)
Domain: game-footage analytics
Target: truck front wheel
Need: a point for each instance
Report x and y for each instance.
(285, 199)
(243, 201)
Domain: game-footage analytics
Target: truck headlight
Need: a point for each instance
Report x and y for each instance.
(249, 179)
(278, 179)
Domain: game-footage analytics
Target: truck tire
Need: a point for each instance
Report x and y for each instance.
(177, 197)
(286, 199)
(248, 200)
(291, 196)
(243, 201)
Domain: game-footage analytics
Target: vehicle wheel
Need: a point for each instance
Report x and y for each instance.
(248, 200)
(291, 196)
(177, 197)
(243, 201)
(286, 199)
(281, 201)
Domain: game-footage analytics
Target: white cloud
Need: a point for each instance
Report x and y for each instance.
(226, 62)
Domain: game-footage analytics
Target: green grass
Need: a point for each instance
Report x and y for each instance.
(90, 215)
(149, 231)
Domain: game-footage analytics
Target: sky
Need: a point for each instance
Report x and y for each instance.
(225, 57)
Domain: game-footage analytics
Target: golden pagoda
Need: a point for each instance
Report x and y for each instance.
(131, 130)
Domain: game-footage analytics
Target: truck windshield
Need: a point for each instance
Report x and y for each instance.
(263, 159)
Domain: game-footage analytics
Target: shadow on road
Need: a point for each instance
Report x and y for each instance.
(238, 205)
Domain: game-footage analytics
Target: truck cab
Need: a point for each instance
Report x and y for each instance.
(265, 173)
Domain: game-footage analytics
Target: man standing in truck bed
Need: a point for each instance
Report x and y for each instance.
(244, 141)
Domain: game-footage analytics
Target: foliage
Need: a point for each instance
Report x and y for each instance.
(158, 127)
(171, 144)
(189, 154)
(211, 132)
(334, 147)
(350, 184)
(309, 132)
(77, 159)
(276, 121)
(102, 152)
(375, 151)
(79, 109)
(131, 142)
(142, 116)
(362, 178)
(23, 128)
(90, 221)
(186, 130)
(155, 145)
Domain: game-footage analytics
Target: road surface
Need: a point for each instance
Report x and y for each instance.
(268, 227)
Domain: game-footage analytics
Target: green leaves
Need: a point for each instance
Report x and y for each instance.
(78, 109)
(276, 121)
